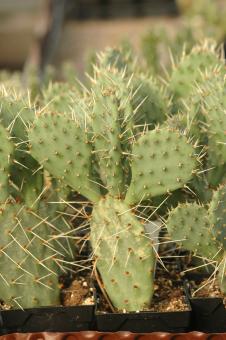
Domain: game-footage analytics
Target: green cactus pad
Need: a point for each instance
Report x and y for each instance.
(28, 261)
(59, 97)
(216, 121)
(222, 275)
(6, 150)
(62, 147)
(116, 58)
(189, 226)
(26, 177)
(214, 104)
(149, 100)
(190, 68)
(125, 258)
(162, 161)
(17, 114)
(63, 238)
(200, 186)
(216, 175)
(189, 119)
(217, 212)
(111, 118)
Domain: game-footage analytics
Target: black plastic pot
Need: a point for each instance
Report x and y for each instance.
(208, 314)
(48, 319)
(145, 322)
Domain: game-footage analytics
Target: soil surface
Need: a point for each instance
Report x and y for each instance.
(205, 289)
(78, 293)
(168, 297)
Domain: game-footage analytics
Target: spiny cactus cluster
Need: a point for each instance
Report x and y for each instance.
(34, 248)
(116, 157)
(124, 143)
(201, 113)
(199, 226)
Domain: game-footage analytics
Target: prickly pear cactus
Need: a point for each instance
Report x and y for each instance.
(35, 244)
(125, 258)
(112, 216)
(131, 164)
(28, 262)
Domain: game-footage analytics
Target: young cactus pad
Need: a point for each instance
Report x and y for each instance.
(125, 257)
(162, 160)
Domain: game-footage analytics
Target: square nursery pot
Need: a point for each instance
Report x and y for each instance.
(47, 319)
(145, 322)
(208, 313)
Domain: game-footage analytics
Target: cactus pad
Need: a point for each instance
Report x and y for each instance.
(162, 161)
(124, 255)
(62, 147)
(188, 71)
(189, 226)
(115, 58)
(218, 214)
(28, 269)
(58, 97)
(17, 114)
(222, 275)
(150, 100)
(111, 116)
